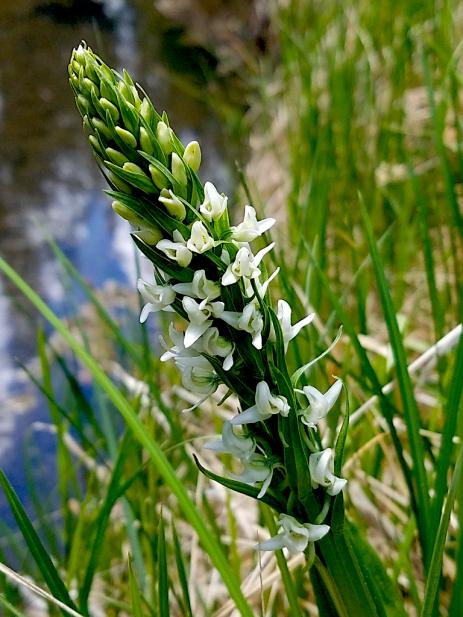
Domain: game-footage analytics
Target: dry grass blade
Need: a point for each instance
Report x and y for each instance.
(40, 592)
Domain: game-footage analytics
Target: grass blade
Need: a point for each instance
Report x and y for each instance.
(153, 449)
(410, 408)
(135, 593)
(181, 573)
(432, 583)
(37, 549)
(448, 432)
(163, 580)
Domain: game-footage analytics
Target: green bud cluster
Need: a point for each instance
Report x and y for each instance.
(150, 172)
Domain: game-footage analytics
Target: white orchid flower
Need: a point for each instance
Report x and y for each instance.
(200, 241)
(241, 446)
(177, 250)
(200, 287)
(199, 316)
(216, 345)
(245, 265)
(293, 535)
(198, 379)
(173, 204)
(266, 406)
(250, 320)
(319, 467)
(214, 204)
(157, 298)
(250, 228)
(284, 317)
(320, 404)
(257, 469)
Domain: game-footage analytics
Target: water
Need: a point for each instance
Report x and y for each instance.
(49, 180)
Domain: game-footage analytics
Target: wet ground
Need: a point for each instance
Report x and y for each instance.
(48, 177)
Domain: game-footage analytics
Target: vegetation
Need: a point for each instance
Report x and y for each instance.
(359, 136)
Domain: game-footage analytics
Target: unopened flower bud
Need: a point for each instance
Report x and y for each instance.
(178, 169)
(139, 178)
(150, 236)
(173, 205)
(96, 145)
(117, 157)
(108, 106)
(82, 104)
(192, 155)
(146, 111)
(101, 127)
(127, 137)
(120, 184)
(163, 135)
(79, 55)
(158, 178)
(125, 91)
(127, 213)
(90, 85)
(145, 141)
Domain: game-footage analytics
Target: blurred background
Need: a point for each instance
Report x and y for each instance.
(49, 183)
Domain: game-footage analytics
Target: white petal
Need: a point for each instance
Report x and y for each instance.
(317, 532)
(229, 277)
(193, 332)
(216, 446)
(272, 544)
(336, 487)
(249, 416)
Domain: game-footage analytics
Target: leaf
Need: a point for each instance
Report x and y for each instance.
(38, 551)
(163, 581)
(410, 408)
(181, 572)
(341, 441)
(277, 504)
(135, 592)
(298, 374)
(431, 591)
(385, 596)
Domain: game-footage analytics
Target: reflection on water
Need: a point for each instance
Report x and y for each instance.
(48, 177)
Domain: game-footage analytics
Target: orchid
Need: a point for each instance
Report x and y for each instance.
(221, 298)
(321, 474)
(245, 265)
(241, 446)
(201, 287)
(250, 228)
(177, 250)
(293, 536)
(157, 298)
(250, 320)
(320, 404)
(284, 317)
(266, 405)
(216, 345)
(200, 241)
(214, 204)
(199, 316)
(173, 204)
(257, 469)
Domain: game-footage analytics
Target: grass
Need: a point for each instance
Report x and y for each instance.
(357, 153)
